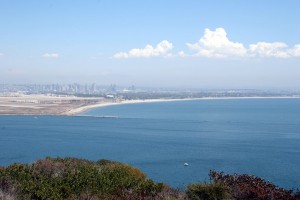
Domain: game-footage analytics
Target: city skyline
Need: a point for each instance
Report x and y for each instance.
(191, 44)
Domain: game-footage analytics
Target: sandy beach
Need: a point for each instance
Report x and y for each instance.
(79, 110)
(82, 109)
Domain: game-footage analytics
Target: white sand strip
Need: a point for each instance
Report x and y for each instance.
(82, 109)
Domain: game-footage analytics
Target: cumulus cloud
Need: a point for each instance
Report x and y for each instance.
(161, 49)
(295, 51)
(274, 49)
(50, 55)
(216, 44)
(265, 49)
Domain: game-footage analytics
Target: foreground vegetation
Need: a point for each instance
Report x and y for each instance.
(71, 178)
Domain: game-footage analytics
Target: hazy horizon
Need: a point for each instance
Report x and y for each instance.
(169, 44)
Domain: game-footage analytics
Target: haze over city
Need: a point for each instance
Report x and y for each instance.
(193, 44)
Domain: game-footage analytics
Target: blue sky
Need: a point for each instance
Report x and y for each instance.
(199, 44)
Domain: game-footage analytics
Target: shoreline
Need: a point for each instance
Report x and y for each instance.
(79, 110)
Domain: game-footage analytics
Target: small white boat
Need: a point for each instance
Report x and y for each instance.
(186, 164)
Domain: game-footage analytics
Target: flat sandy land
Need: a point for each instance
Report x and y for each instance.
(54, 105)
(45, 105)
(72, 105)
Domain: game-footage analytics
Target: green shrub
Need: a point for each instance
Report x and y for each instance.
(249, 187)
(70, 178)
(209, 191)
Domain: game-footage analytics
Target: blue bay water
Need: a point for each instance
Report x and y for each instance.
(253, 136)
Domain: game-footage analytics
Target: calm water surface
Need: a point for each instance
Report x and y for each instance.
(254, 136)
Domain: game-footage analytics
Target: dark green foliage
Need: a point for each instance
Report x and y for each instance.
(248, 187)
(209, 191)
(238, 187)
(71, 178)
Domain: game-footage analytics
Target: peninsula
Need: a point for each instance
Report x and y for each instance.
(74, 99)
(74, 105)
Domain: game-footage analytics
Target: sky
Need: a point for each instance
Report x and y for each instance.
(172, 43)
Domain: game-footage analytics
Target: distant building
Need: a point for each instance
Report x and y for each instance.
(110, 96)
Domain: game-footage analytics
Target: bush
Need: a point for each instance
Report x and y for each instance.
(70, 178)
(249, 187)
(209, 191)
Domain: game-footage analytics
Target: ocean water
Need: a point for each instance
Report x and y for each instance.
(253, 136)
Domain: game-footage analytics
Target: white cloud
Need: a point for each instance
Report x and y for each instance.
(295, 52)
(50, 55)
(161, 49)
(265, 49)
(181, 54)
(121, 55)
(216, 44)
(1, 54)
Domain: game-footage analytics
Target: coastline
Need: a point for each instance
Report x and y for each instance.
(39, 105)
(82, 109)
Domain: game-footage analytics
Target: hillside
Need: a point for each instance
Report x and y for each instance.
(71, 178)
